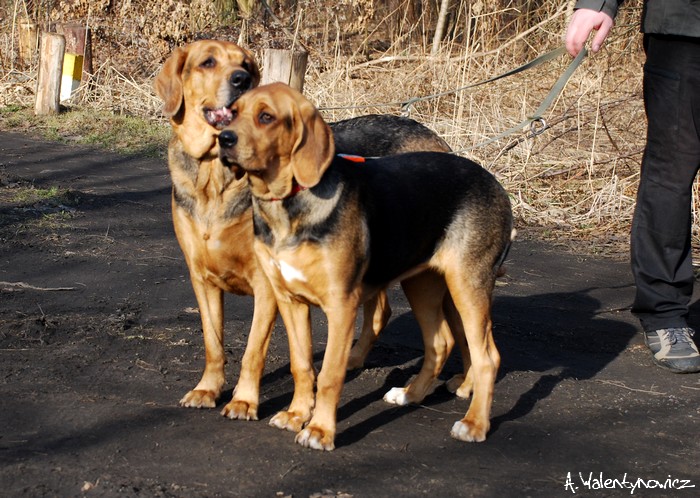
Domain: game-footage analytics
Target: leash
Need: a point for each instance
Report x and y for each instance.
(406, 105)
(536, 122)
(552, 54)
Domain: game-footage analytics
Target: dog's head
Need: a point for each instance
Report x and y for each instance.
(198, 83)
(278, 137)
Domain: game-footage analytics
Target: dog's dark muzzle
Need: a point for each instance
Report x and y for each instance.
(227, 143)
(241, 81)
(227, 139)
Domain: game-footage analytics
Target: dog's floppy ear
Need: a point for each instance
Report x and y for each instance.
(252, 67)
(314, 147)
(168, 83)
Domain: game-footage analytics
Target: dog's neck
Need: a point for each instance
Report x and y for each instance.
(298, 216)
(198, 140)
(282, 187)
(205, 187)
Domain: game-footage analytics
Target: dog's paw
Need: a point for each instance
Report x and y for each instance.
(198, 398)
(316, 439)
(289, 421)
(470, 432)
(355, 361)
(460, 387)
(397, 396)
(240, 410)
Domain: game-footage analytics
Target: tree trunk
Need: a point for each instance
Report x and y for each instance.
(440, 27)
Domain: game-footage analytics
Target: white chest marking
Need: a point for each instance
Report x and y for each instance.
(289, 273)
(214, 244)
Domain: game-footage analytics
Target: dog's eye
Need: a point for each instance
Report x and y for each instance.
(265, 118)
(208, 63)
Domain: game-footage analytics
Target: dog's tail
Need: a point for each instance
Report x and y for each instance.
(500, 265)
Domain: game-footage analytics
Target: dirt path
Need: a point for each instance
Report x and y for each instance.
(99, 339)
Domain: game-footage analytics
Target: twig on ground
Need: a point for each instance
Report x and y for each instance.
(11, 286)
(622, 385)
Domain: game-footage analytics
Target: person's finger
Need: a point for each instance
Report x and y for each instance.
(573, 46)
(575, 39)
(601, 35)
(583, 23)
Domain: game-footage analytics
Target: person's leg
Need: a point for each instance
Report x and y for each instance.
(661, 230)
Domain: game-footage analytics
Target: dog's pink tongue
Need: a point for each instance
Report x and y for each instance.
(219, 118)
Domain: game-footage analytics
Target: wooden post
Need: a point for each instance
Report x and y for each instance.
(286, 66)
(48, 89)
(28, 41)
(78, 42)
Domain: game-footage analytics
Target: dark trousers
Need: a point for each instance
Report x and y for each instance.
(661, 229)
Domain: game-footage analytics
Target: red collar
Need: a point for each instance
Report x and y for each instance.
(352, 157)
(296, 188)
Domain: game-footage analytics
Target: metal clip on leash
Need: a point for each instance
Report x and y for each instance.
(537, 127)
(406, 106)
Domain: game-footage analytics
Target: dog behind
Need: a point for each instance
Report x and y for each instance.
(377, 135)
(333, 233)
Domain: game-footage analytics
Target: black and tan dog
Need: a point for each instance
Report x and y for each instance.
(332, 233)
(212, 214)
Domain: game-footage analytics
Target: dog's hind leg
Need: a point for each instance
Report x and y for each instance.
(375, 315)
(211, 309)
(472, 298)
(461, 384)
(425, 293)
(246, 395)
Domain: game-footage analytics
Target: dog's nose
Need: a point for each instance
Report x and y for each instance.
(241, 80)
(227, 139)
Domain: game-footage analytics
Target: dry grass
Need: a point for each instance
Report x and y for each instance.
(574, 183)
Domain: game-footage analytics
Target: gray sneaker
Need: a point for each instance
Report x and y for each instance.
(674, 349)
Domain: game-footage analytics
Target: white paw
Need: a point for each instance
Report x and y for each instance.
(309, 438)
(396, 396)
(306, 439)
(279, 421)
(461, 431)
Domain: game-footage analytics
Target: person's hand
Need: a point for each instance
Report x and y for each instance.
(582, 24)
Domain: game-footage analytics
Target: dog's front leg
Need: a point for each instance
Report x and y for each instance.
(211, 309)
(297, 320)
(320, 433)
(244, 405)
